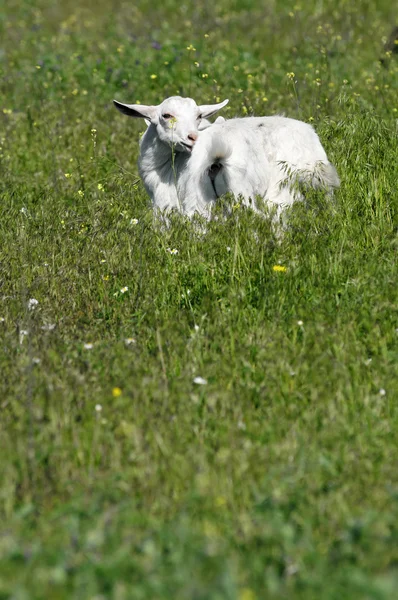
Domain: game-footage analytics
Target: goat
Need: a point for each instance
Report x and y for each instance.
(166, 146)
(255, 157)
(187, 164)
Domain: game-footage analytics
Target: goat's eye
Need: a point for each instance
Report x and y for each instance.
(200, 117)
(166, 116)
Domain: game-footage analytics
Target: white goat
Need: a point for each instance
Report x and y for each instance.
(166, 146)
(253, 157)
(187, 168)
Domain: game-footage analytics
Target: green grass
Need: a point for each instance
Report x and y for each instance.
(121, 478)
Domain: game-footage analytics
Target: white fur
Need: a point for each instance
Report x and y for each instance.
(187, 163)
(256, 157)
(167, 144)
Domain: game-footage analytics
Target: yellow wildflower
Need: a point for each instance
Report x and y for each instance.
(247, 594)
(220, 501)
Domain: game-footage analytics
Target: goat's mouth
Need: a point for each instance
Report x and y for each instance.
(187, 147)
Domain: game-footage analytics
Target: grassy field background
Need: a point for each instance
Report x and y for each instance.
(123, 475)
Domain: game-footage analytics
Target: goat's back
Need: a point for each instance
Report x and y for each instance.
(280, 138)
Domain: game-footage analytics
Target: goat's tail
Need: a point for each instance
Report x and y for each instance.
(216, 151)
(206, 178)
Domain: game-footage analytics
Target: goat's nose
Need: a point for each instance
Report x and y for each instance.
(192, 136)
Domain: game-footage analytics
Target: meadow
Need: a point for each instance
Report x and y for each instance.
(190, 415)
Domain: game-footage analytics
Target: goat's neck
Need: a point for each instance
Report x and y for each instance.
(154, 150)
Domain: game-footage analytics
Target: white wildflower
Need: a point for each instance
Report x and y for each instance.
(32, 303)
(124, 289)
(129, 341)
(88, 346)
(200, 381)
(173, 251)
(48, 327)
(300, 323)
(98, 408)
(292, 569)
(22, 334)
(382, 392)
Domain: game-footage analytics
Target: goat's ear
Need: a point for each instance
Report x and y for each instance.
(137, 110)
(206, 110)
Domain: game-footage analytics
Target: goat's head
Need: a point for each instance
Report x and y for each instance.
(177, 120)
